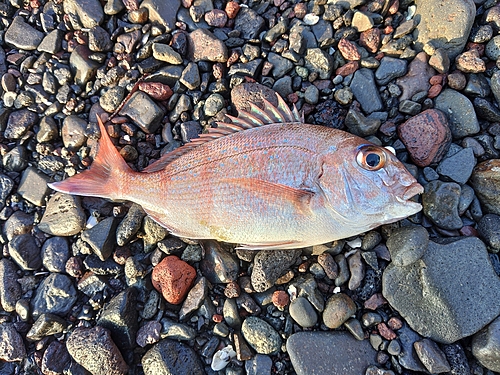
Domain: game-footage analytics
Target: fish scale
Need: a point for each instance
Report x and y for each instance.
(260, 182)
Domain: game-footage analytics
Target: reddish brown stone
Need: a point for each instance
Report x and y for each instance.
(348, 68)
(370, 39)
(173, 278)
(434, 91)
(232, 9)
(156, 90)
(300, 10)
(427, 137)
(386, 332)
(395, 323)
(457, 80)
(348, 50)
(470, 62)
(375, 301)
(216, 18)
(437, 79)
(468, 231)
(280, 299)
(417, 78)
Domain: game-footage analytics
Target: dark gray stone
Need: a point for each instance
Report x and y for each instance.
(16, 160)
(408, 356)
(249, 23)
(335, 353)
(86, 13)
(143, 111)
(10, 292)
(218, 265)
(6, 185)
(259, 365)
(25, 252)
(163, 12)
(457, 359)
(477, 85)
(52, 42)
(97, 266)
(19, 123)
(12, 348)
(191, 76)
(389, 69)
(458, 167)
(486, 346)
(461, 115)
(130, 224)
(55, 294)
(73, 132)
(303, 312)
(360, 125)
(440, 204)
(489, 230)
(85, 69)
(46, 325)
(365, 90)
(249, 68)
(269, 265)
(171, 358)
(436, 295)
(55, 254)
(194, 299)
(407, 245)
(22, 35)
(281, 66)
(261, 335)
(486, 110)
(431, 356)
(101, 237)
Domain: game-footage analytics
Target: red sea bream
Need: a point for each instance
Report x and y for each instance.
(264, 181)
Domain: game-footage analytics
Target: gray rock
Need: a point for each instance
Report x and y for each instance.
(492, 49)
(431, 356)
(436, 295)
(73, 132)
(22, 35)
(489, 230)
(338, 309)
(153, 233)
(86, 13)
(213, 104)
(55, 254)
(91, 284)
(130, 224)
(485, 180)
(486, 110)
(281, 66)
(164, 52)
(176, 331)
(259, 365)
(171, 358)
(457, 359)
(261, 336)
(99, 40)
(337, 353)
(33, 186)
(12, 348)
(98, 267)
(94, 349)
(317, 60)
(365, 91)
(360, 125)
(56, 359)
(143, 111)
(112, 98)
(46, 325)
(19, 123)
(191, 76)
(194, 299)
(231, 314)
(495, 84)
(458, 167)
(408, 357)
(460, 112)
(119, 316)
(477, 85)
(407, 245)
(16, 160)
(85, 68)
(18, 223)
(389, 69)
(249, 23)
(10, 292)
(6, 185)
(249, 68)
(52, 42)
(356, 269)
(63, 216)
(303, 312)
(55, 294)
(440, 204)
(269, 265)
(48, 130)
(163, 12)
(101, 237)
(435, 29)
(409, 107)
(486, 346)
(25, 252)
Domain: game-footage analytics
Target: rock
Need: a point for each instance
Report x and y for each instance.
(461, 115)
(176, 331)
(361, 125)
(94, 349)
(99, 40)
(417, 78)
(25, 252)
(362, 21)
(18, 223)
(55, 294)
(269, 265)
(149, 333)
(365, 91)
(46, 325)
(486, 346)
(33, 186)
(246, 93)
(86, 13)
(205, 46)
(259, 365)
(48, 130)
(19, 123)
(164, 52)
(63, 216)
(458, 167)
(218, 265)
(163, 12)
(22, 35)
(389, 69)
(407, 245)
(431, 356)
(56, 358)
(338, 309)
(446, 26)
(436, 295)
(194, 299)
(101, 237)
(485, 180)
(191, 76)
(408, 356)
(12, 347)
(130, 224)
(10, 292)
(492, 49)
(81, 63)
(213, 104)
(489, 230)
(143, 111)
(339, 352)
(261, 336)
(169, 357)
(173, 278)
(248, 23)
(426, 136)
(440, 204)
(470, 62)
(317, 60)
(303, 313)
(52, 42)
(112, 98)
(73, 132)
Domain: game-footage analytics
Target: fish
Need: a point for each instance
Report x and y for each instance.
(266, 180)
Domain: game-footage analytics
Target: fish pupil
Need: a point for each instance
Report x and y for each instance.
(372, 160)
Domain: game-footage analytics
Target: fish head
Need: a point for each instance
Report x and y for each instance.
(367, 184)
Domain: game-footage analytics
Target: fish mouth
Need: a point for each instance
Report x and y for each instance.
(413, 190)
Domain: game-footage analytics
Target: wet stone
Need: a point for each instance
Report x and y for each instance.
(303, 312)
(18, 223)
(338, 309)
(63, 216)
(269, 265)
(440, 201)
(194, 299)
(55, 254)
(477, 85)
(191, 76)
(95, 350)
(461, 115)
(55, 294)
(101, 237)
(55, 359)
(486, 110)
(316, 60)
(148, 334)
(12, 348)
(22, 35)
(389, 69)
(365, 91)
(339, 352)
(119, 316)
(130, 224)
(46, 325)
(25, 252)
(48, 130)
(143, 111)
(6, 185)
(489, 230)
(10, 292)
(431, 356)
(16, 159)
(19, 123)
(91, 284)
(261, 336)
(169, 357)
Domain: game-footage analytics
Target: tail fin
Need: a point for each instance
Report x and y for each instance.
(103, 178)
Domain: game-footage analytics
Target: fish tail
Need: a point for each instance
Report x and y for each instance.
(105, 175)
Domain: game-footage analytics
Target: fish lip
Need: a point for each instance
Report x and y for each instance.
(412, 190)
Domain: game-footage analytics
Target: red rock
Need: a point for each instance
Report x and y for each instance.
(156, 90)
(468, 231)
(280, 299)
(375, 301)
(434, 91)
(386, 332)
(216, 18)
(232, 9)
(457, 80)
(470, 62)
(300, 10)
(426, 136)
(348, 50)
(417, 78)
(437, 79)
(173, 278)
(395, 323)
(370, 39)
(393, 9)
(348, 68)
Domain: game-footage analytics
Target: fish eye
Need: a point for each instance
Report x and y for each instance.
(371, 158)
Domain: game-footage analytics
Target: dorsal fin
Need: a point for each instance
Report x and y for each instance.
(246, 120)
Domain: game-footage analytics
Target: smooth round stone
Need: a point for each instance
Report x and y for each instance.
(431, 356)
(489, 230)
(338, 309)
(461, 116)
(407, 245)
(311, 95)
(261, 336)
(11, 292)
(486, 346)
(303, 312)
(492, 49)
(440, 204)
(12, 347)
(485, 180)
(213, 104)
(18, 223)
(55, 294)
(169, 357)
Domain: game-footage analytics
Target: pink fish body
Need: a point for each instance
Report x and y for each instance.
(266, 181)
